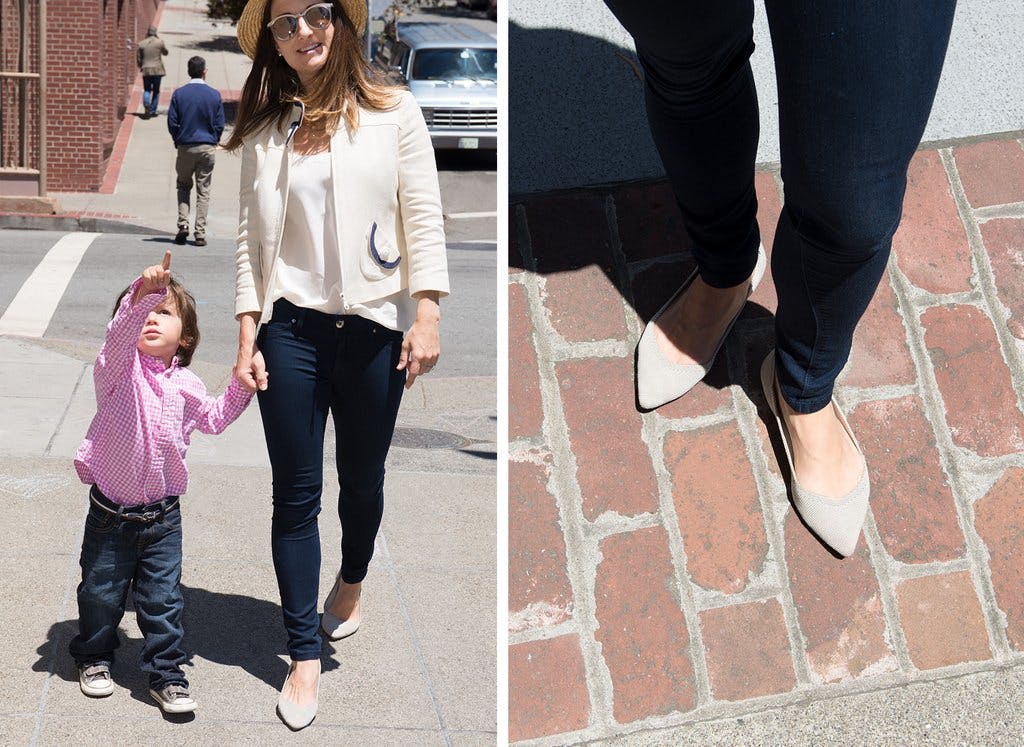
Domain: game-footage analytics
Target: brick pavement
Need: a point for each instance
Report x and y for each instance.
(657, 574)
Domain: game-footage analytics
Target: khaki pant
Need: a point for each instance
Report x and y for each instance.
(194, 161)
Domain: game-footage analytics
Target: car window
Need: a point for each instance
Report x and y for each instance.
(400, 57)
(455, 64)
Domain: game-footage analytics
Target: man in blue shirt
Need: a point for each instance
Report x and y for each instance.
(195, 120)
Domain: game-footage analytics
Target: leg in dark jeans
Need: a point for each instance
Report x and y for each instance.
(367, 394)
(856, 84)
(702, 111)
(108, 566)
(294, 412)
(317, 366)
(159, 604)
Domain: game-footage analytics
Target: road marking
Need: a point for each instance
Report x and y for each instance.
(468, 216)
(31, 310)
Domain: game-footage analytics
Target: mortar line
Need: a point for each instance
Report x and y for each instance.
(568, 499)
(993, 212)
(652, 432)
(998, 316)
(766, 704)
(773, 518)
(934, 412)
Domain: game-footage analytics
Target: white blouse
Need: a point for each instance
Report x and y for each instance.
(309, 266)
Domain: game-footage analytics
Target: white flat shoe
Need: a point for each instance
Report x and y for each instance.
(332, 626)
(297, 717)
(836, 521)
(658, 380)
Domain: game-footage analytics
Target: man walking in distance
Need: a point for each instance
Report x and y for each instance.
(148, 56)
(195, 120)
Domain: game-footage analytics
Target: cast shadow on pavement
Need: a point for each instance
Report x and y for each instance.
(228, 629)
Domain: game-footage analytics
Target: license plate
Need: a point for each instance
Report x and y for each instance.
(469, 142)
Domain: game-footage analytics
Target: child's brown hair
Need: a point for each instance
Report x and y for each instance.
(186, 306)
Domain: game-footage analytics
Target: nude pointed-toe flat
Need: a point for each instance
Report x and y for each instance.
(836, 521)
(660, 381)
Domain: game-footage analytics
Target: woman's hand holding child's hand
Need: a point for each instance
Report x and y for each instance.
(155, 278)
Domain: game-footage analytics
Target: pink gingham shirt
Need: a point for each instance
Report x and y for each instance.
(135, 449)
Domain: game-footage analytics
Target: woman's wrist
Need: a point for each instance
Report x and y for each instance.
(428, 307)
(247, 330)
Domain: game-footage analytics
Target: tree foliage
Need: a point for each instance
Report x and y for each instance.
(225, 9)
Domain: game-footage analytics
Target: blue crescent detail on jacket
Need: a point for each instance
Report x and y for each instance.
(373, 251)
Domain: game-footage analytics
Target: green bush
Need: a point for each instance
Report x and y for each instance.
(225, 9)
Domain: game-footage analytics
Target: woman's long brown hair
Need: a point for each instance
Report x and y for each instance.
(340, 87)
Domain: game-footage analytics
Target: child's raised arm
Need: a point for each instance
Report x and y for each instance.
(118, 351)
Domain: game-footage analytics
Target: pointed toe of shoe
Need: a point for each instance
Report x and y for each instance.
(294, 716)
(335, 628)
(658, 380)
(837, 523)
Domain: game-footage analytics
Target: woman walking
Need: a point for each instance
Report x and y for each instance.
(340, 251)
(856, 82)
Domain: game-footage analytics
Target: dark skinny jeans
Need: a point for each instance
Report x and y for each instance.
(856, 81)
(319, 363)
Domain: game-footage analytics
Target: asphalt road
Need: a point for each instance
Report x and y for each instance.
(113, 260)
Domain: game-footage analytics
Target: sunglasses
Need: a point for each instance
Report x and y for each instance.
(286, 26)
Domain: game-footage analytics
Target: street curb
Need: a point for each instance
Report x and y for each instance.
(75, 223)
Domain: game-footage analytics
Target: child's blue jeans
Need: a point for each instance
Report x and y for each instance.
(138, 549)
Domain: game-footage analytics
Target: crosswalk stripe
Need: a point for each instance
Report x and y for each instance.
(30, 312)
(467, 216)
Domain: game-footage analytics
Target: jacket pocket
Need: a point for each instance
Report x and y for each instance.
(380, 258)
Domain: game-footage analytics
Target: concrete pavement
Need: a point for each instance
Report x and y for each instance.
(421, 670)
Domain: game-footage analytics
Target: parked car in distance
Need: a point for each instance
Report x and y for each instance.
(452, 71)
(491, 6)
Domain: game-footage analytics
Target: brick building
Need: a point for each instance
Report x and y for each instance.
(89, 48)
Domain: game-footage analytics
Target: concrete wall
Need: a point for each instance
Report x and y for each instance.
(576, 112)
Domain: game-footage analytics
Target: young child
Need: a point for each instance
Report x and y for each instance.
(147, 405)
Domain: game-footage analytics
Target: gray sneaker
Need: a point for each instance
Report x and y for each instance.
(95, 681)
(174, 698)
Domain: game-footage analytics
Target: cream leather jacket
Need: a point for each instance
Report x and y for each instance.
(387, 202)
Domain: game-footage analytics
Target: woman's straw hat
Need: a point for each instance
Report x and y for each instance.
(250, 25)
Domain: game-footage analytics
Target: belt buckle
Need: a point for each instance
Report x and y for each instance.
(148, 516)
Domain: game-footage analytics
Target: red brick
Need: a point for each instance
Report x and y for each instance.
(538, 585)
(1004, 243)
(584, 305)
(931, 245)
(910, 495)
(649, 222)
(641, 627)
(992, 173)
(981, 408)
(547, 688)
(999, 519)
(839, 608)
(614, 468)
(717, 506)
(942, 620)
(747, 650)
(524, 403)
(880, 355)
(569, 231)
(769, 207)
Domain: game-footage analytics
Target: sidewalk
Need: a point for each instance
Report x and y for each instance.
(140, 185)
(660, 584)
(421, 670)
